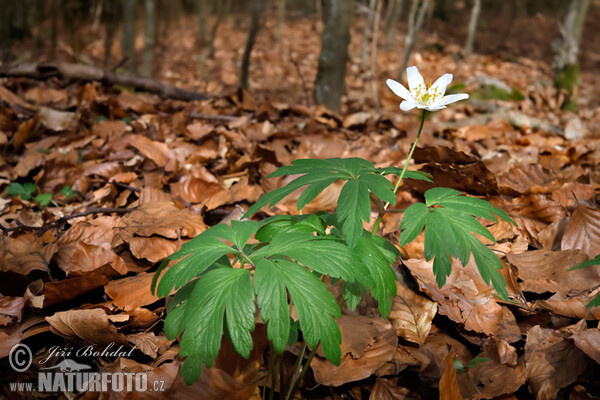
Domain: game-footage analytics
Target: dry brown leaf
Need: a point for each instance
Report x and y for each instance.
(131, 292)
(27, 252)
(57, 121)
(551, 362)
(381, 345)
(449, 389)
(198, 186)
(87, 246)
(149, 228)
(66, 289)
(92, 326)
(46, 96)
(388, 389)
(548, 271)
(138, 102)
(11, 309)
(466, 299)
(148, 343)
(588, 341)
(411, 315)
(158, 152)
(583, 231)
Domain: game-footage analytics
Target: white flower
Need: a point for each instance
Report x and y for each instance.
(420, 96)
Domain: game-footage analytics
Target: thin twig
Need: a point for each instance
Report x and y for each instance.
(123, 185)
(62, 220)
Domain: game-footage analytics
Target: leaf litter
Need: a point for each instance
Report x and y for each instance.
(172, 172)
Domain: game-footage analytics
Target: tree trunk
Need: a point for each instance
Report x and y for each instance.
(392, 22)
(257, 7)
(5, 40)
(202, 13)
(472, 28)
(280, 17)
(566, 47)
(374, 58)
(331, 73)
(415, 21)
(149, 38)
(367, 32)
(110, 18)
(128, 35)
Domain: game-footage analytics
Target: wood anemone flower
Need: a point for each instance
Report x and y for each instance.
(420, 96)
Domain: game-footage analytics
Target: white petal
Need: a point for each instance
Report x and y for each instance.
(435, 108)
(407, 105)
(399, 89)
(440, 85)
(451, 98)
(414, 78)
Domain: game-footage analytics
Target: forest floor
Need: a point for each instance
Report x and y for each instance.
(72, 275)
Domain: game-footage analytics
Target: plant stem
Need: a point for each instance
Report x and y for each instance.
(304, 370)
(294, 380)
(410, 153)
(273, 367)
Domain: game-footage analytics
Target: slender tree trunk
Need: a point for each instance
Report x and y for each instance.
(149, 38)
(280, 17)
(110, 18)
(367, 33)
(392, 22)
(566, 47)
(331, 73)
(415, 21)
(256, 11)
(374, 58)
(5, 40)
(128, 35)
(202, 13)
(472, 27)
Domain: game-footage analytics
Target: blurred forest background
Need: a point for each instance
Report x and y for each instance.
(273, 47)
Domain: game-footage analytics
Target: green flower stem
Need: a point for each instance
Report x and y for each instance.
(410, 153)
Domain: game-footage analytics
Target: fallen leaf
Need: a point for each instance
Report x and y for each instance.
(131, 292)
(91, 325)
(411, 315)
(551, 362)
(449, 389)
(583, 231)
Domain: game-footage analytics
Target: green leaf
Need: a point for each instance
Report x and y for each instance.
(380, 187)
(418, 175)
(223, 294)
(413, 222)
(449, 233)
(352, 292)
(25, 191)
(202, 252)
(279, 224)
(43, 199)
(353, 207)
(315, 306)
(450, 198)
(595, 302)
(477, 360)
(384, 278)
(271, 295)
(68, 192)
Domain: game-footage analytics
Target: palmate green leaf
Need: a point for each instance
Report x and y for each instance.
(384, 278)
(413, 222)
(450, 198)
(315, 306)
(353, 208)
(279, 224)
(595, 302)
(380, 187)
(223, 294)
(313, 177)
(448, 218)
(202, 252)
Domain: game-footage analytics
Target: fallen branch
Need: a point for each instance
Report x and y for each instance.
(215, 117)
(80, 72)
(62, 220)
